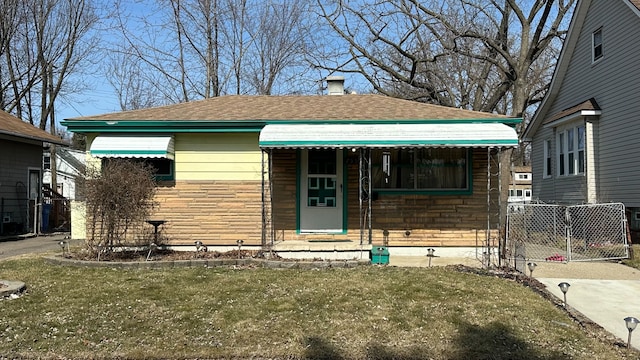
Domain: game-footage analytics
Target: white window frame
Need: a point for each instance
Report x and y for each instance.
(571, 150)
(597, 44)
(547, 166)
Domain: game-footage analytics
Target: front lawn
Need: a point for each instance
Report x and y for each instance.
(633, 262)
(366, 312)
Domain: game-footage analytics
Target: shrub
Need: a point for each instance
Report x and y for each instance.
(119, 198)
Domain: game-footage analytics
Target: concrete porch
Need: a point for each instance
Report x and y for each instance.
(323, 249)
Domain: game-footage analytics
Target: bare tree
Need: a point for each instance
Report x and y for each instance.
(479, 54)
(190, 49)
(129, 81)
(279, 41)
(42, 43)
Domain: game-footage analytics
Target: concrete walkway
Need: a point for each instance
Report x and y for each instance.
(605, 292)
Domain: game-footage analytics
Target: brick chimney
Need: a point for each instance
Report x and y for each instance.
(335, 85)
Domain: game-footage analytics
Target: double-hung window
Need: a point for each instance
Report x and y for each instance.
(561, 154)
(571, 146)
(597, 45)
(547, 158)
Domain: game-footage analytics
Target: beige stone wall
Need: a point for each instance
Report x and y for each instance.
(412, 220)
(214, 212)
(78, 220)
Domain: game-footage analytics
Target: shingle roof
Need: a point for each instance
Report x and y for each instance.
(636, 3)
(11, 125)
(590, 104)
(264, 108)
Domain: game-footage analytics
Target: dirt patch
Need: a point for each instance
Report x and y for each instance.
(595, 270)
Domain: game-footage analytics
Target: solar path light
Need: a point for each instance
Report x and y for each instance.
(65, 247)
(200, 247)
(240, 242)
(152, 247)
(532, 266)
(564, 287)
(430, 254)
(631, 324)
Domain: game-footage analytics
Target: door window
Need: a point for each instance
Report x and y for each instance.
(321, 178)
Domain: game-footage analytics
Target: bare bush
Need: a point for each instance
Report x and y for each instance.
(119, 198)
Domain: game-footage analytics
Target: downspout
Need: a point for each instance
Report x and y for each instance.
(370, 196)
(263, 235)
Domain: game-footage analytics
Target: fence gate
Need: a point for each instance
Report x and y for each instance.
(546, 232)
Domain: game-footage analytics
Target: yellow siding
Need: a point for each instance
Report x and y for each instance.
(91, 162)
(223, 156)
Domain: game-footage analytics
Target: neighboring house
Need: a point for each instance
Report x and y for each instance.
(585, 133)
(328, 171)
(520, 185)
(21, 147)
(70, 164)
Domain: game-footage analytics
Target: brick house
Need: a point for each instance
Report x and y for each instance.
(316, 173)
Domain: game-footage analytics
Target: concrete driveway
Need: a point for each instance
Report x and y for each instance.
(605, 292)
(10, 247)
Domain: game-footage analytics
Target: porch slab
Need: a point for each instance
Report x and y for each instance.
(319, 245)
(328, 250)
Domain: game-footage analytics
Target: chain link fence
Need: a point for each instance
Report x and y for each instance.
(545, 232)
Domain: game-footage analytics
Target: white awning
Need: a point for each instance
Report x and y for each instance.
(388, 135)
(123, 146)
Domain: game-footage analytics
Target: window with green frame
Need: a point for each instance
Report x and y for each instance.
(163, 168)
(421, 169)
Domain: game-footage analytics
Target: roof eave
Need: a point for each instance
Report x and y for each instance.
(35, 138)
(196, 126)
(572, 117)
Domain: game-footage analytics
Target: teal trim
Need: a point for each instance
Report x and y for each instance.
(398, 121)
(423, 192)
(312, 143)
(470, 172)
(128, 152)
(298, 191)
(467, 191)
(214, 126)
(164, 177)
(345, 193)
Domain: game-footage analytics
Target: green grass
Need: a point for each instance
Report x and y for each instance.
(200, 313)
(633, 262)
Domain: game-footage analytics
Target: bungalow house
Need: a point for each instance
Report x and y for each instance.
(21, 147)
(585, 130)
(306, 173)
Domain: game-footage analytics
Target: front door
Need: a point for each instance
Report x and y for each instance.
(321, 191)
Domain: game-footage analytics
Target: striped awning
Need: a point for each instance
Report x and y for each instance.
(123, 146)
(387, 135)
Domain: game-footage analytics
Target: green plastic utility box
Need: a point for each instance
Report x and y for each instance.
(379, 255)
